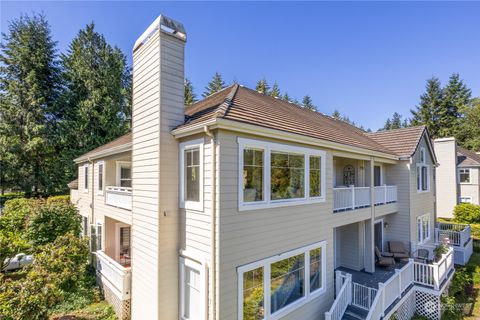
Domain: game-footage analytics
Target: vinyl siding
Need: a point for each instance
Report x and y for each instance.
(350, 245)
(446, 177)
(472, 189)
(84, 198)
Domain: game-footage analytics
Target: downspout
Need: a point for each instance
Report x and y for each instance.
(213, 224)
(92, 207)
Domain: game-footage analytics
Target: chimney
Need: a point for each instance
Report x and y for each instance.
(446, 176)
(158, 107)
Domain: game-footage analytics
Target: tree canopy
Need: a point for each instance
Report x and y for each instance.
(215, 85)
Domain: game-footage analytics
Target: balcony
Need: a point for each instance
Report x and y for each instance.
(459, 237)
(120, 197)
(117, 276)
(351, 198)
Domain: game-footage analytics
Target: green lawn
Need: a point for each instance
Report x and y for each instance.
(474, 268)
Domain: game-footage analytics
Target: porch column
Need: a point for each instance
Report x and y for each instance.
(369, 253)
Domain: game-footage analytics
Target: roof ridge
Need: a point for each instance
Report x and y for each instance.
(395, 130)
(227, 102)
(469, 153)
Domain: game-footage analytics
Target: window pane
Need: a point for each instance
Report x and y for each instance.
(465, 175)
(252, 175)
(125, 172)
(315, 269)
(100, 177)
(419, 230)
(424, 178)
(287, 281)
(125, 245)
(315, 176)
(253, 295)
(192, 175)
(192, 293)
(99, 237)
(287, 176)
(426, 231)
(86, 178)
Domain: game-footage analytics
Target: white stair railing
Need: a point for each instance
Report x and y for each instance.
(343, 299)
(363, 296)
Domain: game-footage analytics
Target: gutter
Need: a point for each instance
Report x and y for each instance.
(105, 153)
(213, 227)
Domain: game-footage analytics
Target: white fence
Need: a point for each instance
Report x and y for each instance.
(119, 276)
(433, 275)
(120, 197)
(343, 299)
(350, 198)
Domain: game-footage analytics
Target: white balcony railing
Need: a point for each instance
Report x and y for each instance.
(118, 276)
(120, 197)
(433, 275)
(351, 198)
(453, 234)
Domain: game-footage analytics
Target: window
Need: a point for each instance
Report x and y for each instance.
(85, 178)
(192, 290)
(274, 175)
(270, 288)
(191, 175)
(124, 174)
(377, 176)
(123, 232)
(99, 236)
(465, 199)
(100, 178)
(423, 178)
(85, 226)
(464, 175)
(423, 228)
(422, 155)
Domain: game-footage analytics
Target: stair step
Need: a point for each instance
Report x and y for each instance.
(354, 313)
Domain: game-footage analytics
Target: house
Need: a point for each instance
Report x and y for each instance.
(244, 206)
(458, 178)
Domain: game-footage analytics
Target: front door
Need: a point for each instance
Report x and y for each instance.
(378, 230)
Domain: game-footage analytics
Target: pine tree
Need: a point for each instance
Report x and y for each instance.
(262, 86)
(336, 114)
(215, 85)
(396, 121)
(286, 97)
(190, 96)
(275, 92)
(456, 96)
(405, 123)
(97, 95)
(388, 125)
(29, 85)
(427, 112)
(469, 132)
(308, 104)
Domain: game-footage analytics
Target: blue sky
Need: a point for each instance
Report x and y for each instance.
(366, 59)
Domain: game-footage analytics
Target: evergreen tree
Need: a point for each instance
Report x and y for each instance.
(469, 133)
(308, 104)
(262, 86)
(427, 112)
(215, 85)
(336, 114)
(405, 123)
(286, 97)
(396, 121)
(28, 90)
(190, 96)
(388, 125)
(275, 92)
(96, 98)
(456, 96)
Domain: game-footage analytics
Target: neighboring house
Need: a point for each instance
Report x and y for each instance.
(458, 176)
(244, 206)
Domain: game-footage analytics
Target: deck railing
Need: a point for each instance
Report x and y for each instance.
(120, 197)
(363, 296)
(120, 277)
(453, 234)
(343, 299)
(433, 275)
(351, 198)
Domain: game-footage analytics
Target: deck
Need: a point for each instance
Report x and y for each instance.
(372, 279)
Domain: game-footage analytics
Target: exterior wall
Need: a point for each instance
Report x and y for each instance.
(350, 245)
(422, 202)
(361, 172)
(84, 198)
(471, 189)
(158, 85)
(446, 176)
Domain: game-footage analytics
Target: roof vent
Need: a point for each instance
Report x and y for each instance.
(165, 25)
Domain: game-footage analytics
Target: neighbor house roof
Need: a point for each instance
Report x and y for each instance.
(73, 184)
(244, 105)
(467, 158)
(121, 144)
(403, 141)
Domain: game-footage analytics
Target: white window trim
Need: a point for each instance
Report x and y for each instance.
(421, 165)
(267, 148)
(100, 224)
(465, 197)
(423, 238)
(87, 179)
(185, 262)
(119, 225)
(469, 176)
(191, 205)
(266, 264)
(100, 163)
(118, 167)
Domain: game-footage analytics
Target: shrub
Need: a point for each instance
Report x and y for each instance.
(9, 196)
(467, 213)
(59, 199)
(16, 214)
(439, 250)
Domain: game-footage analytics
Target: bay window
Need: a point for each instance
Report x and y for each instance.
(423, 228)
(273, 175)
(191, 175)
(270, 288)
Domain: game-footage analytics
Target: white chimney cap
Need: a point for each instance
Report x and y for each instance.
(164, 24)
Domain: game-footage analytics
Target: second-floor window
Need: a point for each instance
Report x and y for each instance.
(100, 178)
(85, 178)
(274, 174)
(464, 175)
(124, 174)
(191, 175)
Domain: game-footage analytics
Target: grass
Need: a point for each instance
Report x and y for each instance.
(96, 311)
(473, 267)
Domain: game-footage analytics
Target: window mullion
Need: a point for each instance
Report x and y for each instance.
(267, 175)
(306, 172)
(266, 289)
(306, 271)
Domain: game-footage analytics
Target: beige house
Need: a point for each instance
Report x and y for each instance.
(244, 206)
(458, 178)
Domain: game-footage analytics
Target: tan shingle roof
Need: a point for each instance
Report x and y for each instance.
(241, 104)
(402, 142)
(117, 143)
(467, 158)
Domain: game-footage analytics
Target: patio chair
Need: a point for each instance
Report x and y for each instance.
(398, 249)
(382, 261)
(383, 253)
(422, 255)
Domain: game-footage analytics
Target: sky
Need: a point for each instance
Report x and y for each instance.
(365, 59)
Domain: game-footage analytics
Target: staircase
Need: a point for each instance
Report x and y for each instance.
(354, 313)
